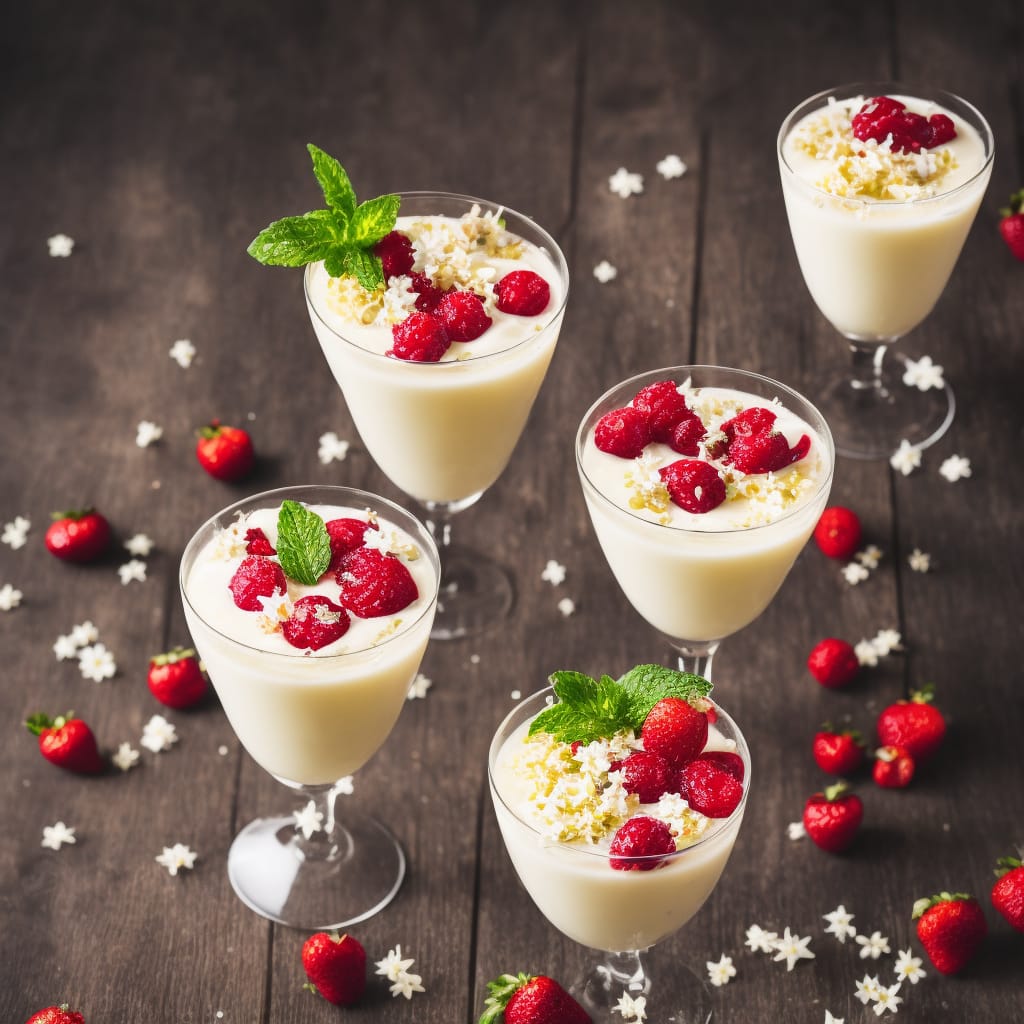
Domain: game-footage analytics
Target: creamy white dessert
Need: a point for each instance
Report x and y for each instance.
(307, 716)
(877, 231)
(442, 431)
(704, 576)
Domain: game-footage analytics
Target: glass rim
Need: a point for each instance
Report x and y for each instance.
(279, 494)
(555, 251)
(822, 428)
(721, 825)
(875, 88)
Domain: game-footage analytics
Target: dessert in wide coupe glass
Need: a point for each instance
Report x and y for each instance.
(703, 484)
(619, 802)
(438, 316)
(881, 183)
(311, 608)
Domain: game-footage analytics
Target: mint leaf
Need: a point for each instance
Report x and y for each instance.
(296, 241)
(365, 267)
(645, 685)
(303, 545)
(587, 709)
(334, 181)
(372, 220)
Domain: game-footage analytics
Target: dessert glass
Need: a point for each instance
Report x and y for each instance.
(621, 913)
(698, 585)
(443, 432)
(310, 721)
(875, 268)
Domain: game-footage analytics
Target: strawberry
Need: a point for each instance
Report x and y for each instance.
(663, 407)
(224, 452)
(837, 533)
(675, 729)
(833, 817)
(374, 584)
(640, 844)
(726, 760)
(687, 435)
(346, 535)
(78, 535)
(1008, 891)
(522, 293)
(838, 753)
(622, 432)
(710, 789)
(646, 774)
(893, 768)
(67, 742)
(336, 967)
(315, 622)
(463, 315)
(257, 543)
(1011, 227)
(419, 338)
(254, 578)
(176, 679)
(950, 926)
(833, 662)
(915, 724)
(62, 1014)
(693, 485)
(766, 452)
(396, 254)
(525, 999)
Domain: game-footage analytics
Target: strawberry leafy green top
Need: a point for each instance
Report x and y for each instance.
(589, 709)
(343, 235)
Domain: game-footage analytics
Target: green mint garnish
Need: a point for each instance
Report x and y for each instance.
(590, 709)
(343, 236)
(303, 545)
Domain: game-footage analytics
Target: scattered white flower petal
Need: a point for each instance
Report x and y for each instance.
(909, 966)
(60, 245)
(308, 820)
(887, 640)
(176, 857)
(54, 836)
(554, 573)
(625, 184)
(158, 734)
(419, 687)
(16, 532)
(133, 570)
(516, 694)
(406, 984)
(146, 433)
(869, 557)
(344, 786)
(632, 1009)
(9, 597)
(867, 653)
(96, 662)
(140, 545)
(919, 560)
(125, 757)
(64, 647)
(923, 374)
(183, 352)
(855, 573)
(567, 606)
(956, 467)
(395, 968)
(873, 945)
(795, 830)
(867, 989)
(84, 633)
(605, 272)
(829, 1019)
(840, 923)
(720, 972)
(887, 999)
(332, 448)
(223, 750)
(906, 458)
(671, 166)
(759, 940)
(792, 948)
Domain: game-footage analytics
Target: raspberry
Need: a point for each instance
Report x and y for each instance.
(693, 485)
(709, 789)
(462, 313)
(894, 767)
(428, 294)
(256, 577)
(833, 663)
(687, 435)
(727, 761)
(622, 432)
(346, 535)
(675, 729)
(256, 543)
(838, 532)
(420, 338)
(882, 116)
(374, 584)
(766, 452)
(646, 774)
(523, 293)
(396, 254)
(315, 622)
(641, 837)
(755, 420)
(663, 407)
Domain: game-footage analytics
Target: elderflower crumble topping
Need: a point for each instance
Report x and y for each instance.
(277, 609)
(229, 542)
(388, 541)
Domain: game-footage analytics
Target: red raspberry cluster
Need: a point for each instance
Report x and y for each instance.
(882, 116)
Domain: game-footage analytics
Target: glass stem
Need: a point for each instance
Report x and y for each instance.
(624, 971)
(439, 522)
(696, 657)
(331, 840)
(866, 366)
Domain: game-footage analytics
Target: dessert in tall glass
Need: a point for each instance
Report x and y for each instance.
(882, 182)
(311, 608)
(703, 484)
(619, 823)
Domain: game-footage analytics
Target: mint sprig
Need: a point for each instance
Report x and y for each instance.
(588, 709)
(303, 544)
(343, 235)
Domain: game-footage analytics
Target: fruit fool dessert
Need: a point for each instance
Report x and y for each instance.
(620, 803)
(881, 193)
(312, 622)
(701, 498)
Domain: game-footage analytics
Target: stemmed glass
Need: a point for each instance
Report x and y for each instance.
(311, 721)
(876, 267)
(621, 913)
(443, 432)
(704, 578)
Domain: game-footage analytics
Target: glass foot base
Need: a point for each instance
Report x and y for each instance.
(675, 996)
(319, 884)
(476, 594)
(870, 422)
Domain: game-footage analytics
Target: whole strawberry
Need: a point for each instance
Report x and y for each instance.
(523, 999)
(56, 1015)
(225, 452)
(176, 679)
(838, 753)
(833, 662)
(950, 926)
(833, 817)
(67, 742)
(1008, 892)
(838, 532)
(915, 724)
(675, 729)
(893, 767)
(1011, 227)
(78, 535)
(336, 967)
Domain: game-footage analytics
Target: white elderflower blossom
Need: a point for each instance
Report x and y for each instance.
(567, 606)
(96, 662)
(887, 999)
(9, 597)
(332, 448)
(133, 570)
(923, 374)
(139, 545)
(183, 352)
(395, 968)
(308, 820)
(721, 972)
(632, 1008)
(147, 433)
(919, 560)
(870, 556)
(419, 686)
(15, 533)
(84, 633)
(855, 573)
(887, 640)
(55, 836)
(60, 245)
(671, 166)
(125, 757)
(605, 272)
(760, 941)
(158, 734)
(792, 948)
(956, 467)
(65, 648)
(867, 653)
(625, 184)
(554, 573)
(840, 924)
(176, 858)
(909, 967)
(873, 945)
(906, 458)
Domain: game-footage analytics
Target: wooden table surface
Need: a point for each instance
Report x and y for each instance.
(161, 138)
